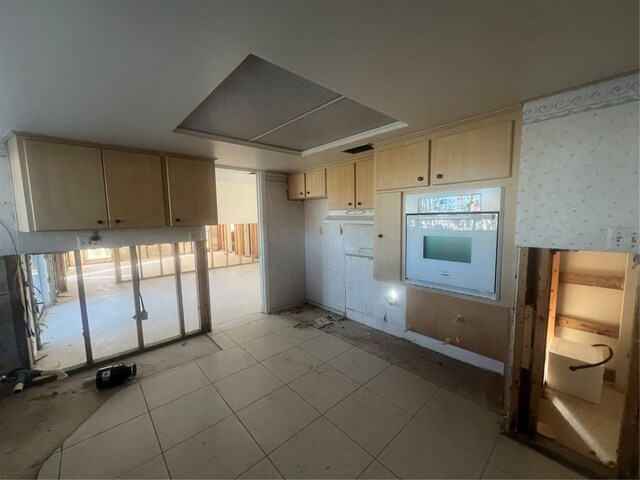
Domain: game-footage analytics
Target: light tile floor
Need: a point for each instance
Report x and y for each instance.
(279, 402)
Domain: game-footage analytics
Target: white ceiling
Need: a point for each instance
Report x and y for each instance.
(128, 73)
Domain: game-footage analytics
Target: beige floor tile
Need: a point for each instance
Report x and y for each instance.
(358, 365)
(277, 417)
(224, 342)
(247, 386)
(126, 404)
(267, 346)
(377, 471)
(403, 389)
(320, 451)
(522, 462)
(491, 472)
(420, 452)
(465, 422)
(263, 470)
(112, 453)
(325, 347)
(323, 387)
(299, 335)
(275, 322)
(225, 363)
(51, 467)
(246, 333)
(291, 364)
(153, 469)
(368, 419)
(172, 384)
(184, 417)
(224, 450)
(237, 322)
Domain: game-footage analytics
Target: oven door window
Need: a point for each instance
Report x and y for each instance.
(448, 249)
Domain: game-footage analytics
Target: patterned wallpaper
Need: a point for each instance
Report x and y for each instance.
(579, 168)
(324, 257)
(284, 225)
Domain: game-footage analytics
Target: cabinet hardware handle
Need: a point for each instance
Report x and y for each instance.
(100, 222)
(439, 175)
(117, 220)
(177, 219)
(349, 203)
(359, 203)
(446, 274)
(379, 235)
(420, 179)
(308, 193)
(301, 193)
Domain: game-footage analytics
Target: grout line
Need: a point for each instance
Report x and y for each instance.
(166, 465)
(59, 464)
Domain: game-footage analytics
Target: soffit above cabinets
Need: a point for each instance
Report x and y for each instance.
(266, 106)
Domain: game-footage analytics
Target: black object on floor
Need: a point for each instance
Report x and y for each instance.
(114, 375)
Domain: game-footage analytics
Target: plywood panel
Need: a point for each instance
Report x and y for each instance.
(484, 328)
(135, 191)
(364, 184)
(66, 185)
(341, 187)
(192, 195)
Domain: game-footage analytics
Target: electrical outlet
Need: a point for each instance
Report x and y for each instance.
(363, 232)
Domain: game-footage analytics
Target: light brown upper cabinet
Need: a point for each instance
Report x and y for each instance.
(315, 184)
(387, 231)
(479, 154)
(310, 184)
(296, 186)
(341, 187)
(57, 186)
(402, 167)
(364, 184)
(135, 191)
(192, 193)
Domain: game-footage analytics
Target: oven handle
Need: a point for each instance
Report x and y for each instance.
(446, 274)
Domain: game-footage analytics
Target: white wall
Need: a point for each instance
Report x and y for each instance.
(284, 244)
(579, 167)
(237, 202)
(46, 242)
(324, 257)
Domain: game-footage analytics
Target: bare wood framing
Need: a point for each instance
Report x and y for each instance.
(176, 267)
(135, 278)
(628, 445)
(601, 281)
(83, 308)
(541, 322)
(202, 282)
(117, 266)
(598, 328)
(512, 387)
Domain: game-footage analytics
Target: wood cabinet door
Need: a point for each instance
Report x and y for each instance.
(341, 187)
(296, 186)
(479, 154)
(192, 192)
(315, 184)
(403, 167)
(387, 231)
(66, 186)
(364, 184)
(135, 191)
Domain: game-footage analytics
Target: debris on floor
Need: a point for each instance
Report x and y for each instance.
(319, 322)
(19, 378)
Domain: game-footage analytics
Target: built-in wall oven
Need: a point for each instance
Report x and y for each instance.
(453, 241)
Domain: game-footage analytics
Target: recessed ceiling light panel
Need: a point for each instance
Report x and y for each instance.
(264, 105)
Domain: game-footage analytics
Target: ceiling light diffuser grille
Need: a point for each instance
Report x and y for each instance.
(264, 105)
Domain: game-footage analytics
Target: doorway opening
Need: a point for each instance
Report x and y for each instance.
(233, 248)
(572, 384)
